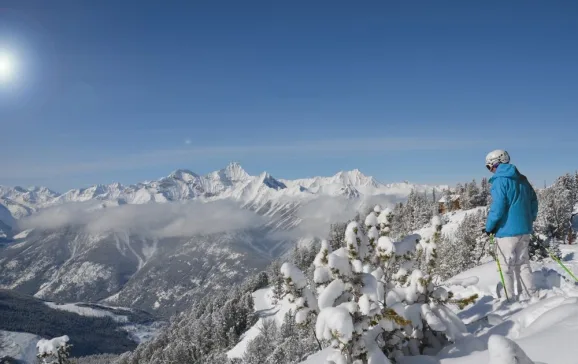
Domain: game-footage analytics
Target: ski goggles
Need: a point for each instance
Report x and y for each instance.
(490, 166)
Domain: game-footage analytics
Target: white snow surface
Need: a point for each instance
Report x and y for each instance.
(266, 310)
(19, 345)
(86, 311)
(539, 331)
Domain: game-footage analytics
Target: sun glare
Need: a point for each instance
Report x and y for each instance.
(6, 67)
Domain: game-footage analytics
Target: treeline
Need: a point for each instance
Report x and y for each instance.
(205, 332)
(89, 335)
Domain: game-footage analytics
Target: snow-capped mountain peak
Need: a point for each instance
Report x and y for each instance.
(231, 182)
(266, 179)
(355, 178)
(234, 172)
(184, 175)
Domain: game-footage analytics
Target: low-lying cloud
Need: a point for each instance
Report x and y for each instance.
(317, 215)
(159, 219)
(164, 220)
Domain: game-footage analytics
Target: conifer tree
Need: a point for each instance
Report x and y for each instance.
(384, 307)
(55, 351)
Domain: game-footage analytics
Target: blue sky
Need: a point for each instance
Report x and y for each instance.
(420, 91)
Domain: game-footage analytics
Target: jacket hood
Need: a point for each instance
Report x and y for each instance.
(506, 170)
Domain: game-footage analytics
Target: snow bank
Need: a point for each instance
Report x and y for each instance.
(505, 351)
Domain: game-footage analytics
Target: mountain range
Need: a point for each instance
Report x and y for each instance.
(231, 182)
(158, 245)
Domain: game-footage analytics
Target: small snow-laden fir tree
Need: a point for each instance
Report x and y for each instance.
(371, 226)
(337, 235)
(427, 249)
(553, 223)
(276, 280)
(322, 273)
(481, 242)
(472, 196)
(297, 293)
(465, 249)
(485, 198)
(54, 351)
(384, 307)
(384, 220)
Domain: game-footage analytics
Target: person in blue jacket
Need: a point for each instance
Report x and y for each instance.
(511, 218)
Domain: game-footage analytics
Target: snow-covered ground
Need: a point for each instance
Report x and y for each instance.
(18, 345)
(86, 311)
(138, 332)
(544, 328)
(266, 311)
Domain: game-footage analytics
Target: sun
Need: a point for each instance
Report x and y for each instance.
(6, 67)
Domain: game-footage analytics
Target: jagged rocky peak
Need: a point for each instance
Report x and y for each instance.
(41, 190)
(349, 191)
(6, 216)
(184, 175)
(271, 182)
(234, 173)
(355, 178)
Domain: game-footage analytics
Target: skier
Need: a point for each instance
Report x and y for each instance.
(511, 216)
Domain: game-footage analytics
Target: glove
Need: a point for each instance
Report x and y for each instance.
(488, 233)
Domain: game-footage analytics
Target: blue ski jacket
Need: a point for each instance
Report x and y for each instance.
(514, 203)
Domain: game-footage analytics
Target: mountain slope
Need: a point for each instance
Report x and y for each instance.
(71, 265)
(180, 236)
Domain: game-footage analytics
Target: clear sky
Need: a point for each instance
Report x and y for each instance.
(403, 90)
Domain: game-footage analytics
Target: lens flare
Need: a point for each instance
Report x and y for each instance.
(7, 67)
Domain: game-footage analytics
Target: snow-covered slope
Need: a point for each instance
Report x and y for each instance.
(19, 345)
(542, 329)
(265, 310)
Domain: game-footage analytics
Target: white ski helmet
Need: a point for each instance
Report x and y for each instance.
(496, 157)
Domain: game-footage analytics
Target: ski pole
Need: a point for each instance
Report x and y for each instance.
(555, 258)
(561, 264)
(492, 242)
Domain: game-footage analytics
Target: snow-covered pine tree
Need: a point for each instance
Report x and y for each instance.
(54, 351)
(371, 224)
(275, 280)
(384, 222)
(297, 292)
(465, 249)
(380, 308)
(472, 196)
(260, 348)
(322, 273)
(485, 194)
(427, 249)
(337, 235)
(553, 223)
